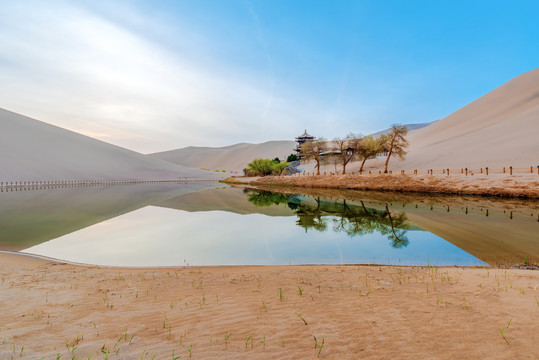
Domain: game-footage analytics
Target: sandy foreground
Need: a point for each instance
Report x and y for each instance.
(503, 185)
(266, 312)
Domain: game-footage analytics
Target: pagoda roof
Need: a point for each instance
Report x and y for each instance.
(305, 135)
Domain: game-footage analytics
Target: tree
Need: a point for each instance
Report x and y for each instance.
(262, 167)
(395, 143)
(276, 160)
(280, 167)
(366, 148)
(313, 149)
(292, 157)
(345, 148)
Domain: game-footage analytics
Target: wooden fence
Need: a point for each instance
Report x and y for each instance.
(38, 185)
(508, 170)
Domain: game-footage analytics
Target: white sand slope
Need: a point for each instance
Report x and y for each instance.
(230, 158)
(31, 150)
(498, 130)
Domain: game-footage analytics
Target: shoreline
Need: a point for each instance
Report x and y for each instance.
(260, 312)
(516, 186)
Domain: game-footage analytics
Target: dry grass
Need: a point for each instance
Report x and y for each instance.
(520, 186)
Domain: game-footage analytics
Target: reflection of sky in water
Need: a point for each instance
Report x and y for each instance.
(155, 236)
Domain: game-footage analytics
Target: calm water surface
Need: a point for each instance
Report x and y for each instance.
(201, 224)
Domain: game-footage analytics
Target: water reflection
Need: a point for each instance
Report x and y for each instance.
(201, 224)
(353, 220)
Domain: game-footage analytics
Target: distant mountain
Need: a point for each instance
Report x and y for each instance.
(410, 127)
(230, 158)
(31, 150)
(236, 157)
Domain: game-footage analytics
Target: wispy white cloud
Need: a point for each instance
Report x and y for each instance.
(76, 68)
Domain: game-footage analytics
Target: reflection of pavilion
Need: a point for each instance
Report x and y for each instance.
(301, 140)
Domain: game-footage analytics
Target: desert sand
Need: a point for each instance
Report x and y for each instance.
(497, 130)
(231, 158)
(271, 312)
(32, 150)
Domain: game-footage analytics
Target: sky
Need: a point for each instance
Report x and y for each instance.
(157, 75)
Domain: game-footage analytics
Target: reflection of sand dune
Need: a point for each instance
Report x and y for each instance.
(495, 238)
(29, 218)
(33, 150)
(230, 158)
(229, 199)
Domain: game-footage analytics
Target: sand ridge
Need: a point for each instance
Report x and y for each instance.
(32, 150)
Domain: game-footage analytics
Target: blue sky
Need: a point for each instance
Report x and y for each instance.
(157, 75)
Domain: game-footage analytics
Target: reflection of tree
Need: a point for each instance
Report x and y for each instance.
(311, 218)
(398, 229)
(266, 198)
(353, 220)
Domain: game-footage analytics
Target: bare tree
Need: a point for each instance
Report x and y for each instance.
(345, 148)
(395, 143)
(313, 149)
(368, 147)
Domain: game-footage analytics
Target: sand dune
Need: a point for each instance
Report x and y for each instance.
(236, 157)
(499, 129)
(231, 158)
(31, 150)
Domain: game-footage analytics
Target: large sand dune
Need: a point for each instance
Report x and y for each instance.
(31, 150)
(500, 129)
(231, 158)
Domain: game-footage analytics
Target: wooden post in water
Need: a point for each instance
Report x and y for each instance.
(504, 169)
(481, 171)
(447, 172)
(486, 170)
(466, 171)
(510, 170)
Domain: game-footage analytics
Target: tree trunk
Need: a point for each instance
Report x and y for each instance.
(317, 166)
(363, 163)
(387, 161)
(389, 154)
